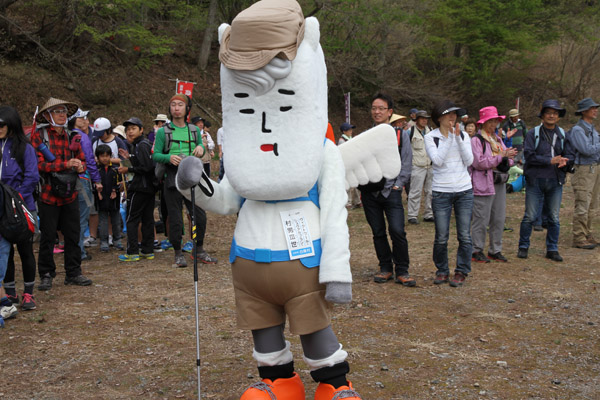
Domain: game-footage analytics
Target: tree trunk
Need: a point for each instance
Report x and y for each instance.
(208, 35)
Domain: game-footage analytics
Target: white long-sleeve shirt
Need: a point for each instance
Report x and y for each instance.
(450, 157)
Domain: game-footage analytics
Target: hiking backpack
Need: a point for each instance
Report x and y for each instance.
(16, 223)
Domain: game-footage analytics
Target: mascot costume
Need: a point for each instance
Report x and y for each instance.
(287, 182)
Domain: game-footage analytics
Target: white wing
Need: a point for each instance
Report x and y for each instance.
(370, 156)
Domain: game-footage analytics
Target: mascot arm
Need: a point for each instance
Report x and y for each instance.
(335, 240)
(224, 200)
(370, 156)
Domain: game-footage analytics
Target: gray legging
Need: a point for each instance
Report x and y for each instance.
(316, 346)
(489, 211)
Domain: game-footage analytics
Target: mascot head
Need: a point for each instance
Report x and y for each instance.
(274, 87)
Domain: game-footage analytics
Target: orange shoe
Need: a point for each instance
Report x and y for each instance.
(282, 389)
(328, 392)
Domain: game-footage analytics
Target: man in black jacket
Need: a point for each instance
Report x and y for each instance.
(140, 192)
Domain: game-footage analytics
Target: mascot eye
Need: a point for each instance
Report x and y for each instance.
(241, 95)
(247, 111)
(284, 109)
(288, 92)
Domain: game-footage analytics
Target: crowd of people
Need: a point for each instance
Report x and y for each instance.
(466, 167)
(110, 176)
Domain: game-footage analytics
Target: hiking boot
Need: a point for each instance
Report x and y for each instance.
(166, 245)
(413, 221)
(429, 219)
(538, 228)
(590, 238)
(205, 258)
(129, 257)
(383, 277)
(406, 280)
(522, 253)
(149, 256)
(78, 280)
(479, 257)
(118, 245)
(90, 241)
(13, 299)
(328, 392)
(46, 283)
(282, 388)
(28, 302)
(458, 280)
(157, 247)
(180, 262)
(440, 278)
(188, 246)
(554, 256)
(8, 312)
(508, 229)
(584, 244)
(497, 257)
(87, 257)
(104, 248)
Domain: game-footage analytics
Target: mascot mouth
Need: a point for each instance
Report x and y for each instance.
(270, 147)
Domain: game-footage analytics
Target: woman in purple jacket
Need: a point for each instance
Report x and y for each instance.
(19, 170)
(489, 173)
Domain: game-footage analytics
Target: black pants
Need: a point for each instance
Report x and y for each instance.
(174, 201)
(65, 217)
(140, 208)
(27, 262)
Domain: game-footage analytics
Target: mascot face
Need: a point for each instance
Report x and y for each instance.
(274, 122)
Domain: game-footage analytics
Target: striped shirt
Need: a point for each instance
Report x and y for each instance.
(451, 157)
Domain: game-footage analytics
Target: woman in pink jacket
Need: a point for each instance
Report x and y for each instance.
(489, 173)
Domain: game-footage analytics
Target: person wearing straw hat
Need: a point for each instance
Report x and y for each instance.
(398, 121)
(547, 160)
(59, 167)
(586, 180)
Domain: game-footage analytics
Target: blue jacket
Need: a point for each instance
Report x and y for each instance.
(23, 182)
(90, 160)
(586, 143)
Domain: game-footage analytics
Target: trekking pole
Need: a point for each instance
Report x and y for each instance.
(192, 191)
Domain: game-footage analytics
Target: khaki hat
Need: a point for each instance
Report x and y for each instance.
(161, 117)
(51, 103)
(513, 113)
(396, 117)
(263, 31)
(120, 130)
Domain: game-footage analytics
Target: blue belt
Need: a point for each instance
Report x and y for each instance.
(268, 255)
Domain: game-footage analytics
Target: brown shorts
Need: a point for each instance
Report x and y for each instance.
(266, 293)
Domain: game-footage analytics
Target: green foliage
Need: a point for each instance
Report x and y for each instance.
(479, 36)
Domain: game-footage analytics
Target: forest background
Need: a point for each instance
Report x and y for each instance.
(119, 57)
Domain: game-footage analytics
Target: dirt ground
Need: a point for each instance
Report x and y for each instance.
(520, 330)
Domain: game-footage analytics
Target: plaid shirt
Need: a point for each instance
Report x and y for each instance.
(59, 146)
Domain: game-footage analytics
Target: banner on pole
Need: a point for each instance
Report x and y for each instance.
(185, 88)
(347, 106)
